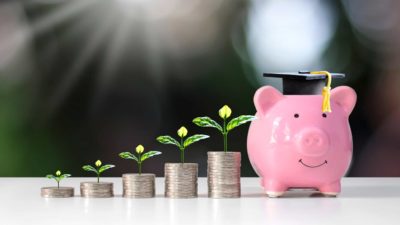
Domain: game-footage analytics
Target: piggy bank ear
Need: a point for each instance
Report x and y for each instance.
(265, 98)
(345, 97)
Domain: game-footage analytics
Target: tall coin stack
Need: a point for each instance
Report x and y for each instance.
(223, 174)
(97, 190)
(138, 186)
(181, 180)
(55, 192)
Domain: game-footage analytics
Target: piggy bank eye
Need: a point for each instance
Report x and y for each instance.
(296, 115)
(324, 115)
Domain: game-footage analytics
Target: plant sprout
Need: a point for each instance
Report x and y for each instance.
(184, 143)
(99, 169)
(58, 177)
(225, 112)
(140, 156)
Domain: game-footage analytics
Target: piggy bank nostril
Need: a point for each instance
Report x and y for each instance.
(311, 141)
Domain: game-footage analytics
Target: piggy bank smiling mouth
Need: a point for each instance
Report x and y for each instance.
(310, 166)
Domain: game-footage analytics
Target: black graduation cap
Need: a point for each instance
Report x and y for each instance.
(303, 82)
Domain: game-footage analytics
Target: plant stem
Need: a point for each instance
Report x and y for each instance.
(225, 142)
(140, 164)
(98, 174)
(182, 156)
(182, 152)
(225, 135)
(58, 184)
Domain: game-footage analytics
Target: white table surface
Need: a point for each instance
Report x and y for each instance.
(362, 201)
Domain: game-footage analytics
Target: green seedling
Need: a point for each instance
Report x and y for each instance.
(184, 143)
(140, 157)
(98, 170)
(225, 112)
(58, 177)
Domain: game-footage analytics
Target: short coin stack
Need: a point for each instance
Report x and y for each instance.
(138, 186)
(224, 174)
(97, 190)
(181, 180)
(55, 192)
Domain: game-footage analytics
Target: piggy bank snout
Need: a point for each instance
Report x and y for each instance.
(313, 142)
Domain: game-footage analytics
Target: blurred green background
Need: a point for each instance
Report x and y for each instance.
(85, 80)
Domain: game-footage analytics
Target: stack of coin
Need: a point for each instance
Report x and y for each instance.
(55, 192)
(138, 186)
(223, 174)
(181, 180)
(97, 190)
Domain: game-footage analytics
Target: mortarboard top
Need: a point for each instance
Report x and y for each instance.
(302, 82)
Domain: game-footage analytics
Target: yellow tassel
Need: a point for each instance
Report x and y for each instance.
(326, 91)
(326, 103)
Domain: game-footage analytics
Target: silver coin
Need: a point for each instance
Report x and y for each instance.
(223, 173)
(97, 190)
(138, 186)
(181, 180)
(55, 192)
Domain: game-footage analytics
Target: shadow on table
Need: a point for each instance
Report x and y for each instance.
(291, 193)
(347, 192)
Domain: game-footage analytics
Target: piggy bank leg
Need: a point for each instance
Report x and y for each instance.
(273, 189)
(332, 189)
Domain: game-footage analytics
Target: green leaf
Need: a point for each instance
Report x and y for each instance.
(105, 167)
(149, 154)
(207, 122)
(128, 155)
(239, 121)
(64, 176)
(194, 138)
(89, 168)
(50, 176)
(168, 140)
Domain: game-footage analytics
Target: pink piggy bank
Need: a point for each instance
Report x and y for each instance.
(292, 144)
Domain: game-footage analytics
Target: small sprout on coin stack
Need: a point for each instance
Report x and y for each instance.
(225, 112)
(58, 177)
(98, 170)
(184, 143)
(140, 156)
